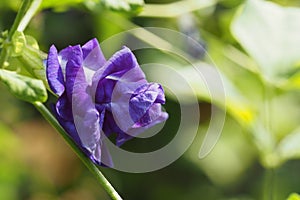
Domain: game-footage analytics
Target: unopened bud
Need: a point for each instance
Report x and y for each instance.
(26, 50)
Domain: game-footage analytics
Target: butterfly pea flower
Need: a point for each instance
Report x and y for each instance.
(98, 98)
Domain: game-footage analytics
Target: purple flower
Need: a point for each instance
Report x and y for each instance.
(98, 98)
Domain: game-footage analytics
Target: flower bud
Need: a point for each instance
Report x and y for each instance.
(26, 51)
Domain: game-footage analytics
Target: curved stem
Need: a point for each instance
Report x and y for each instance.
(22, 11)
(88, 163)
(33, 8)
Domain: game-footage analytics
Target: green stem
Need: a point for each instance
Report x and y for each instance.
(269, 184)
(22, 11)
(175, 9)
(273, 160)
(33, 8)
(88, 163)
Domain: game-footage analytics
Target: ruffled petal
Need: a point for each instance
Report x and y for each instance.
(152, 114)
(54, 72)
(137, 109)
(142, 99)
(122, 66)
(93, 57)
(119, 64)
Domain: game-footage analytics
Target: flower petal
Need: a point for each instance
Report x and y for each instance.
(99, 156)
(136, 129)
(114, 70)
(120, 63)
(102, 156)
(161, 95)
(88, 128)
(137, 109)
(63, 57)
(142, 99)
(152, 114)
(86, 116)
(93, 57)
(54, 72)
(64, 108)
(69, 127)
(74, 70)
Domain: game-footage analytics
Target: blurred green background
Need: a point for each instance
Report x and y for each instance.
(256, 156)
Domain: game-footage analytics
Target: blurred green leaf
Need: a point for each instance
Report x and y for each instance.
(23, 87)
(294, 196)
(10, 4)
(230, 157)
(270, 34)
(132, 6)
(289, 147)
(58, 4)
(293, 83)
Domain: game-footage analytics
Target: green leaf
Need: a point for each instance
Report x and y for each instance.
(23, 87)
(294, 196)
(132, 6)
(270, 34)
